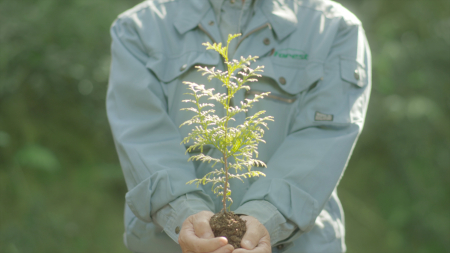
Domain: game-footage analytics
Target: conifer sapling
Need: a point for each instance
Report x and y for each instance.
(239, 143)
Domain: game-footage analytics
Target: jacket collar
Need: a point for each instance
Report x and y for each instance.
(282, 19)
(280, 16)
(189, 14)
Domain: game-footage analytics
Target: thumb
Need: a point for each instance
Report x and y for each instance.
(253, 234)
(201, 225)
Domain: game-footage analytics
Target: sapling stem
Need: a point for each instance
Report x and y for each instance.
(225, 187)
(225, 155)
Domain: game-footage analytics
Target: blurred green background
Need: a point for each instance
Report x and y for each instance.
(61, 187)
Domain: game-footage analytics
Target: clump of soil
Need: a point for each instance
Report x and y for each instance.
(228, 225)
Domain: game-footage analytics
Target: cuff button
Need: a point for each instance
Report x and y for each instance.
(280, 247)
(177, 230)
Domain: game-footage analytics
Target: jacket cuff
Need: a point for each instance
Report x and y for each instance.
(268, 215)
(172, 216)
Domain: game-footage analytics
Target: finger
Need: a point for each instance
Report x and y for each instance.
(224, 249)
(263, 247)
(201, 225)
(196, 244)
(255, 231)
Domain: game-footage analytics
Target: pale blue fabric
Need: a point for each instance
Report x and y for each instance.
(318, 70)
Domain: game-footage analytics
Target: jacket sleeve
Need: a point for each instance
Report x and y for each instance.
(154, 163)
(306, 168)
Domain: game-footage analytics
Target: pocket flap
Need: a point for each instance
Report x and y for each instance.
(294, 79)
(353, 72)
(167, 68)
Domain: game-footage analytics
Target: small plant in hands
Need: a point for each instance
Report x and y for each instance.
(237, 144)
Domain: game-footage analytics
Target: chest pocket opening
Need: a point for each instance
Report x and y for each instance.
(272, 96)
(168, 67)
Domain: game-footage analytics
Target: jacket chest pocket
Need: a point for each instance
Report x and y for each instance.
(286, 86)
(285, 82)
(172, 70)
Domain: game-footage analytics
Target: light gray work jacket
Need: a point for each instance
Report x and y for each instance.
(317, 66)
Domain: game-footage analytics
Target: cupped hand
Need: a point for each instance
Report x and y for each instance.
(196, 236)
(256, 239)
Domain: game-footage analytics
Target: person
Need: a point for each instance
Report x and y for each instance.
(317, 66)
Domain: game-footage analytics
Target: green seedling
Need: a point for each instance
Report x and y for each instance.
(240, 142)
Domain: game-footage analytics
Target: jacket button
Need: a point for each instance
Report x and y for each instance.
(183, 67)
(211, 22)
(280, 247)
(177, 230)
(266, 41)
(357, 76)
(282, 80)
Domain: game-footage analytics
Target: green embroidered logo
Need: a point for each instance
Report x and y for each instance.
(291, 53)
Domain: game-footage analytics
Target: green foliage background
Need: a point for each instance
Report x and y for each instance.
(61, 188)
